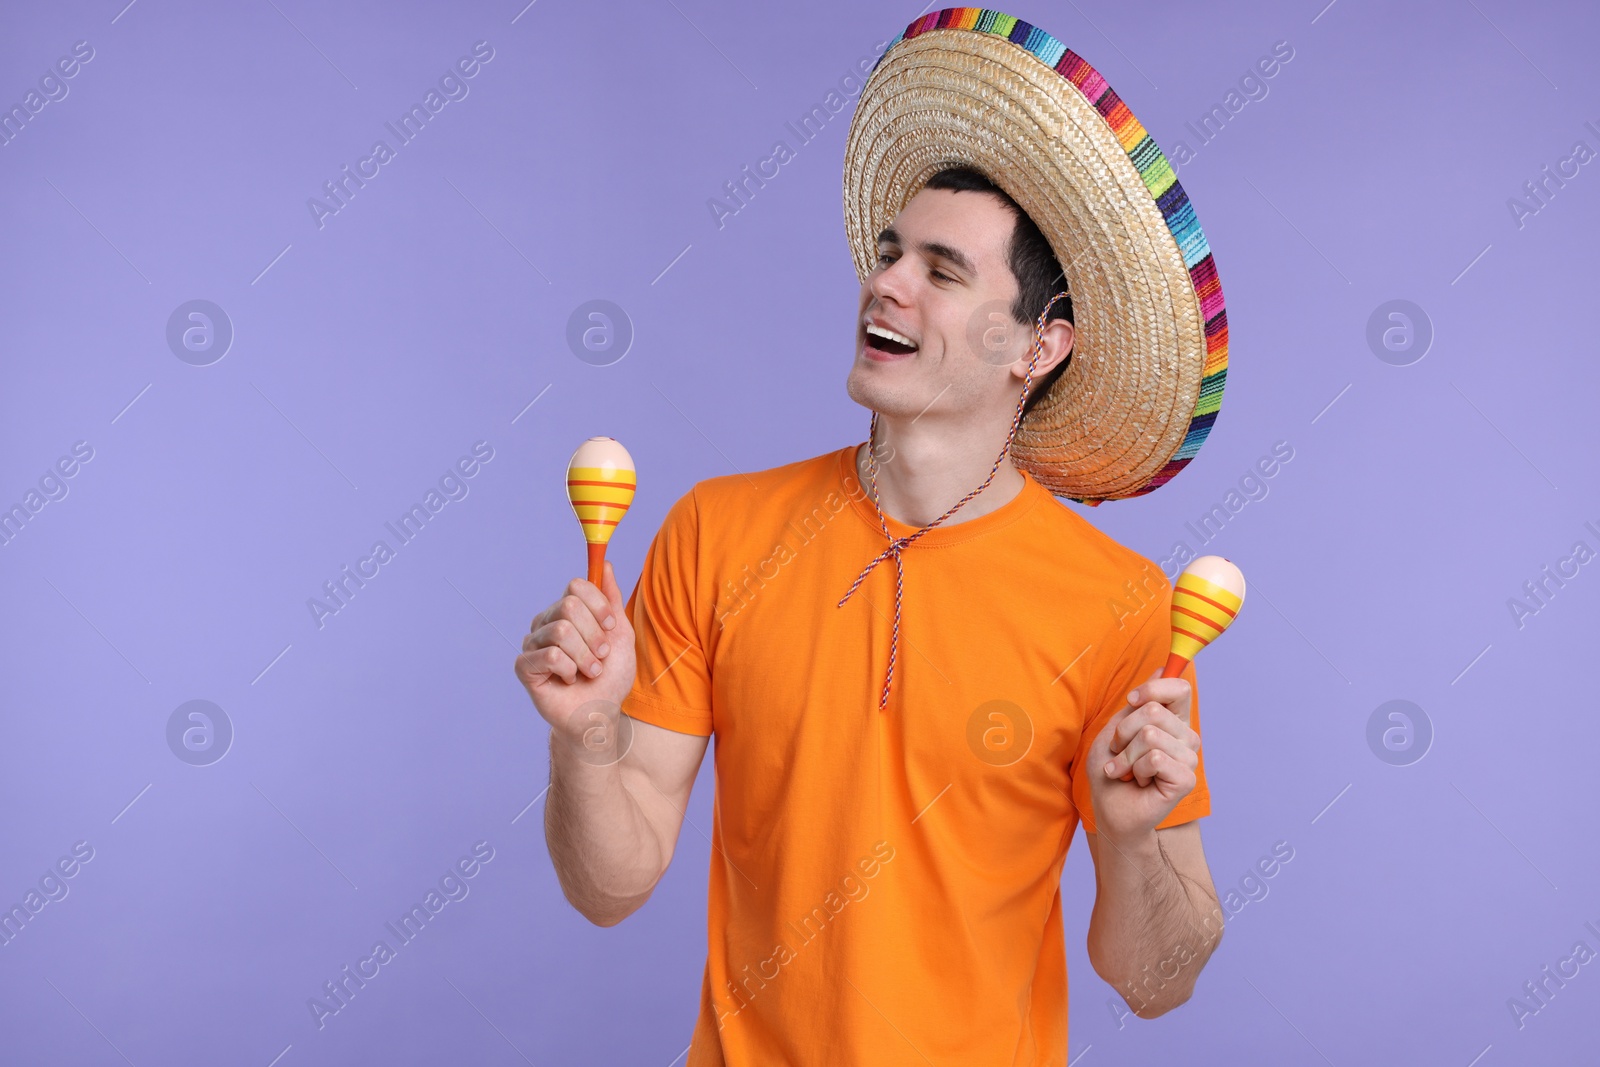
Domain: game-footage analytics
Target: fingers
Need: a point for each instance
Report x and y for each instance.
(1157, 717)
(1159, 764)
(1157, 713)
(535, 668)
(581, 642)
(1150, 739)
(570, 638)
(572, 627)
(598, 602)
(1173, 692)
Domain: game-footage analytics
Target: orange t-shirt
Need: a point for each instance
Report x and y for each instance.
(886, 885)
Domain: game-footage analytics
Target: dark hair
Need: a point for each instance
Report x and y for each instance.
(1038, 272)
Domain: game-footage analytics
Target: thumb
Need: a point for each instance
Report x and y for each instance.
(613, 593)
(1153, 676)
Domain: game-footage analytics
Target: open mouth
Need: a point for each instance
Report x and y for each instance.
(888, 343)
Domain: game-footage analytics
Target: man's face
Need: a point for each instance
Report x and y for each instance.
(942, 282)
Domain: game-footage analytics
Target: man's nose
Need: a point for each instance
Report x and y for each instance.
(892, 283)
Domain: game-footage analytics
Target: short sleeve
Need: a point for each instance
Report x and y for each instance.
(672, 685)
(1145, 654)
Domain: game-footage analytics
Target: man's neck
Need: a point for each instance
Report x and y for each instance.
(927, 467)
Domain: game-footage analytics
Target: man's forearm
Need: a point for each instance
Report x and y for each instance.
(1152, 930)
(606, 854)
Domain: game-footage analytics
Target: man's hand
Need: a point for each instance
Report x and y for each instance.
(577, 663)
(1143, 762)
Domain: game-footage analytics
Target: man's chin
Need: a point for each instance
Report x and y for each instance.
(871, 395)
(864, 392)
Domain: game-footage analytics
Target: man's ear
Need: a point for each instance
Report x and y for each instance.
(1055, 346)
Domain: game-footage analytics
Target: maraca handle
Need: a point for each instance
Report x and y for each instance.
(597, 558)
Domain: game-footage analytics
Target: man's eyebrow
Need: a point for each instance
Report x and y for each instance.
(932, 248)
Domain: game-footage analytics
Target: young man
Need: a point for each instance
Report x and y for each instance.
(904, 751)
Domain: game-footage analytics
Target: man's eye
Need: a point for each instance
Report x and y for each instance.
(885, 258)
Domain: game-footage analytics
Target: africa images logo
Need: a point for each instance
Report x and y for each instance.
(453, 486)
(812, 925)
(453, 86)
(453, 886)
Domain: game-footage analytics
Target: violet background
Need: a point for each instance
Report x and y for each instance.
(429, 312)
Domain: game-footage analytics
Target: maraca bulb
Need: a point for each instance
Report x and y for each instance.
(600, 484)
(1205, 601)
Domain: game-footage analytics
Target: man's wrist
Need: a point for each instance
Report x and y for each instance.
(1140, 848)
(595, 753)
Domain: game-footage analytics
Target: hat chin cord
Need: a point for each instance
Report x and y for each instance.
(897, 545)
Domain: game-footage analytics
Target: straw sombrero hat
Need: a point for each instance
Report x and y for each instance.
(972, 87)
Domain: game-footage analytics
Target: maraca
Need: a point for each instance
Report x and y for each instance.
(600, 484)
(1208, 595)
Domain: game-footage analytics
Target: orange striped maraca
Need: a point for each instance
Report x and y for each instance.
(600, 484)
(1208, 595)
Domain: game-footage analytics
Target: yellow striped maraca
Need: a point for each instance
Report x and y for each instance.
(600, 484)
(1205, 601)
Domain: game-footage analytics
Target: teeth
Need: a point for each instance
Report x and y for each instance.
(879, 331)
